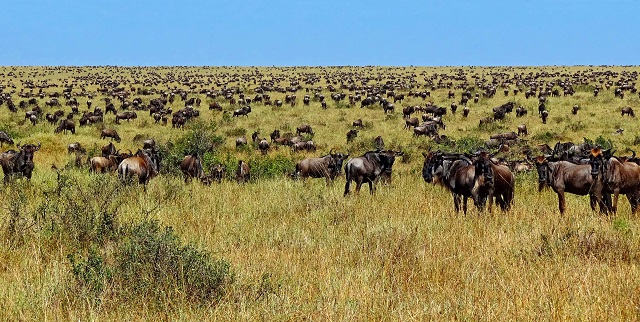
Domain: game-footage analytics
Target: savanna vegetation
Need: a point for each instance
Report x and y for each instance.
(77, 245)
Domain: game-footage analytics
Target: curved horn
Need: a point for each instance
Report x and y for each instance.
(633, 154)
(38, 147)
(18, 145)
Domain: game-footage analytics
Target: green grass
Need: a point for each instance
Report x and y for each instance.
(299, 249)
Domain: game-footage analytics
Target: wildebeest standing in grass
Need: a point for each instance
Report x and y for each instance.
(101, 164)
(327, 166)
(145, 164)
(492, 180)
(367, 169)
(18, 162)
(5, 138)
(618, 177)
(243, 172)
(263, 146)
(110, 133)
(66, 125)
(629, 111)
(191, 167)
(452, 171)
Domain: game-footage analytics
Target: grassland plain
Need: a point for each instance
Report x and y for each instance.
(299, 249)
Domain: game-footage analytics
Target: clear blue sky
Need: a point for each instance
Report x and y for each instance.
(324, 32)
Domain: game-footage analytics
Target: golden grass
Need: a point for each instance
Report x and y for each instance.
(301, 251)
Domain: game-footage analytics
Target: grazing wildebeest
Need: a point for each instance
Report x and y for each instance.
(452, 171)
(263, 146)
(504, 136)
(215, 106)
(274, 135)
(327, 166)
(145, 164)
(492, 180)
(110, 133)
(378, 142)
(73, 147)
(125, 116)
(564, 176)
(242, 172)
(304, 128)
(617, 176)
(254, 136)
(242, 111)
(5, 138)
(351, 135)
(408, 123)
(18, 162)
(575, 109)
(101, 164)
(241, 141)
(149, 144)
(522, 130)
(368, 168)
(407, 111)
(66, 125)
(629, 111)
(465, 111)
(521, 111)
(191, 167)
(357, 123)
(544, 116)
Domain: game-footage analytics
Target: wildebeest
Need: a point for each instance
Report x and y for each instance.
(242, 111)
(492, 180)
(125, 116)
(368, 168)
(215, 106)
(327, 166)
(217, 173)
(263, 146)
(452, 171)
(465, 111)
(408, 123)
(108, 150)
(149, 144)
(564, 176)
(145, 164)
(101, 164)
(18, 162)
(110, 133)
(191, 167)
(66, 125)
(544, 116)
(378, 142)
(617, 177)
(5, 138)
(357, 123)
(504, 136)
(304, 128)
(407, 111)
(243, 172)
(522, 130)
(575, 109)
(76, 146)
(351, 135)
(241, 141)
(629, 111)
(521, 111)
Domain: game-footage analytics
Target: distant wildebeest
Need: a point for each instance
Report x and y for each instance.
(66, 125)
(521, 111)
(304, 128)
(522, 130)
(408, 123)
(18, 162)
(351, 135)
(629, 111)
(357, 123)
(243, 172)
(368, 168)
(407, 111)
(575, 109)
(76, 146)
(378, 142)
(125, 116)
(5, 138)
(241, 141)
(149, 144)
(101, 164)
(191, 167)
(327, 166)
(145, 164)
(263, 146)
(110, 133)
(242, 111)
(215, 106)
(465, 111)
(544, 116)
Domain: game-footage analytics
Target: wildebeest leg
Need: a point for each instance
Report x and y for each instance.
(562, 204)
(347, 186)
(592, 201)
(614, 204)
(456, 202)
(358, 185)
(464, 204)
(372, 187)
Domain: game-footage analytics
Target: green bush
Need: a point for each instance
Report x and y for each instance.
(199, 138)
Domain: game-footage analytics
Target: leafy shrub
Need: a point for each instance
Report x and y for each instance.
(199, 138)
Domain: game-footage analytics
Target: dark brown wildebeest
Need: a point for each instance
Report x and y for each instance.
(327, 166)
(564, 176)
(544, 116)
(351, 135)
(241, 141)
(108, 150)
(215, 106)
(465, 111)
(521, 111)
(407, 111)
(387, 107)
(454, 108)
(263, 146)
(408, 123)
(274, 135)
(191, 167)
(427, 129)
(452, 171)
(304, 128)
(52, 119)
(575, 109)
(125, 116)
(492, 180)
(243, 172)
(504, 136)
(254, 136)
(149, 144)
(368, 168)
(357, 123)
(145, 164)
(101, 164)
(242, 111)
(66, 125)
(378, 142)
(5, 138)
(522, 130)
(323, 104)
(629, 111)
(18, 162)
(217, 173)
(298, 146)
(617, 176)
(110, 133)
(75, 147)
(541, 108)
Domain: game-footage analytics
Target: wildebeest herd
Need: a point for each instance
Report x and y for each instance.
(486, 173)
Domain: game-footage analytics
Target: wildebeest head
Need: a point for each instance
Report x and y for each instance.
(432, 160)
(597, 161)
(544, 172)
(483, 167)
